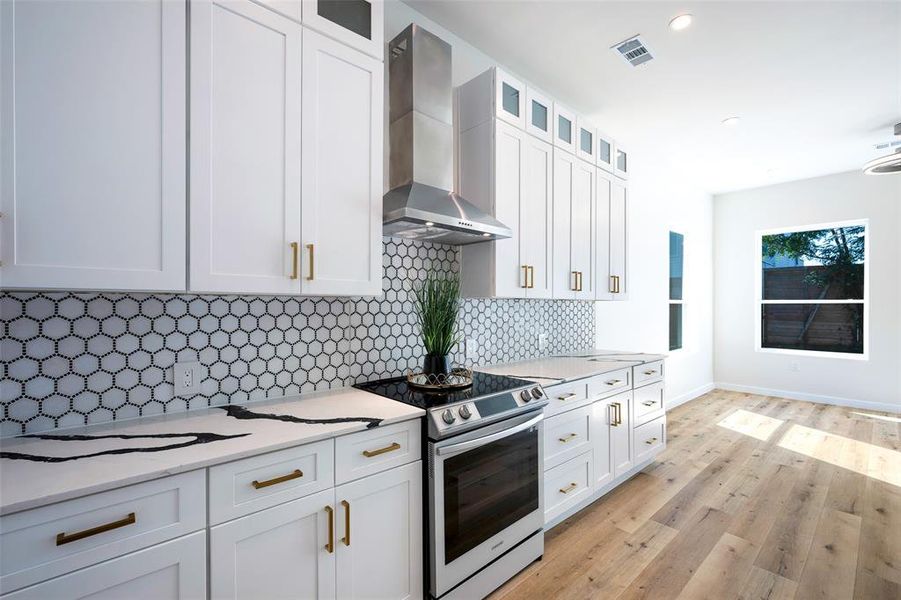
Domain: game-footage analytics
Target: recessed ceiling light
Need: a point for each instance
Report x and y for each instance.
(731, 121)
(680, 22)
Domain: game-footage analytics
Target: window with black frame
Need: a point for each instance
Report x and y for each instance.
(813, 289)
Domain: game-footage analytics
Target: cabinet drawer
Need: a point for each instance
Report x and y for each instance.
(45, 542)
(609, 383)
(567, 485)
(648, 402)
(245, 486)
(565, 396)
(649, 439)
(567, 435)
(645, 374)
(361, 454)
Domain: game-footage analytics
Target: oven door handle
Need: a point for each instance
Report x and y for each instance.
(487, 439)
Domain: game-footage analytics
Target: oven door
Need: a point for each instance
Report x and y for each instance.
(486, 496)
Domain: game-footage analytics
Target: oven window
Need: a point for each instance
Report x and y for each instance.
(487, 489)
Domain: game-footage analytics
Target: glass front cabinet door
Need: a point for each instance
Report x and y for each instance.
(604, 151)
(564, 128)
(621, 162)
(509, 99)
(539, 115)
(357, 23)
(585, 140)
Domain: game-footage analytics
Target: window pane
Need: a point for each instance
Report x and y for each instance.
(814, 264)
(539, 115)
(587, 141)
(675, 265)
(622, 161)
(823, 327)
(511, 99)
(675, 326)
(565, 128)
(604, 151)
(355, 15)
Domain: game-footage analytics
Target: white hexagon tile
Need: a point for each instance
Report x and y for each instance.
(72, 359)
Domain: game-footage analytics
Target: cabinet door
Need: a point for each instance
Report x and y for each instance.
(619, 232)
(603, 281)
(342, 169)
(92, 156)
(621, 433)
(510, 270)
(621, 161)
(173, 570)
(564, 128)
(585, 140)
(281, 552)
(581, 229)
(379, 535)
(245, 149)
(603, 420)
(509, 99)
(539, 115)
(536, 217)
(564, 276)
(357, 23)
(605, 151)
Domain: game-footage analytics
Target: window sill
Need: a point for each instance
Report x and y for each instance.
(814, 353)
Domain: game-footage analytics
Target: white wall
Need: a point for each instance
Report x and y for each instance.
(659, 202)
(873, 383)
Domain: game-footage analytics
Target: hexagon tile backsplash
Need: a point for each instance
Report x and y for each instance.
(75, 358)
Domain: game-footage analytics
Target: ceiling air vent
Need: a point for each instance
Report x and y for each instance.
(634, 51)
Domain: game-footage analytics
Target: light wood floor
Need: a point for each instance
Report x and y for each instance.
(754, 497)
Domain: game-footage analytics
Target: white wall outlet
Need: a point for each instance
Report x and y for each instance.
(542, 342)
(186, 377)
(471, 350)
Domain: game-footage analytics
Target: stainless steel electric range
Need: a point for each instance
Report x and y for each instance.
(483, 457)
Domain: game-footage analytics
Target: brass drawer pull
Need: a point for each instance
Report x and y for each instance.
(617, 414)
(65, 538)
(614, 382)
(651, 441)
(370, 453)
(531, 277)
(525, 274)
(567, 396)
(346, 538)
(310, 248)
(297, 474)
(566, 438)
(330, 545)
(580, 281)
(569, 488)
(650, 403)
(575, 281)
(651, 372)
(295, 249)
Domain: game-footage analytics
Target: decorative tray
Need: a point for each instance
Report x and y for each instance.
(457, 379)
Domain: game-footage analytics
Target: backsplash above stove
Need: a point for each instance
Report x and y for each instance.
(71, 359)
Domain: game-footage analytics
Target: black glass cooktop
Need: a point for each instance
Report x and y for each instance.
(483, 384)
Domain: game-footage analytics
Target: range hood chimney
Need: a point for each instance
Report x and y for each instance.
(421, 204)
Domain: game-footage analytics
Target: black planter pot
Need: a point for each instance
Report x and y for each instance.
(433, 364)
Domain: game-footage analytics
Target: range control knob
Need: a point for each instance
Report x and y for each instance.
(537, 393)
(448, 417)
(525, 395)
(465, 413)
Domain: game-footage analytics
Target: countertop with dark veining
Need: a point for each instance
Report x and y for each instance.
(560, 369)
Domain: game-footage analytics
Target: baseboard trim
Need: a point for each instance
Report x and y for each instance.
(683, 398)
(819, 399)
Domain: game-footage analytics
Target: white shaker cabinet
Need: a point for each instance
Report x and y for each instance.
(359, 24)
(611, 238)
(573, 201)
(92, 157)
(287, 551)
(342, 170)
(245, 149)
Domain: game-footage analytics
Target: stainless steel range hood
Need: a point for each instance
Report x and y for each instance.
(421, 204)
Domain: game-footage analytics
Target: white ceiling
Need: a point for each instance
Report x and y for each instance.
(815, 83)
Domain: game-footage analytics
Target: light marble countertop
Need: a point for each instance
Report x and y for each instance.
(560, 369)
(43, 468)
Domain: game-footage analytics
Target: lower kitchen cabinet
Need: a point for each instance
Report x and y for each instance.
(360, 540)
(174, 570)
(620, 423)
(601, 423)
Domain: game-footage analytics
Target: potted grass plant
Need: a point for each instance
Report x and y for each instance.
(437, 306)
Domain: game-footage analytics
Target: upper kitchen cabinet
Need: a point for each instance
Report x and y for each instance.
(539, 115)
(245, 149)
(359, 24)
(92, 166)
(508, 173)
(342, 170)
(585, 140)
(574, 183)
(611, 231)
(494, 93)
(621, 162)
(564, 128)
(604, 153)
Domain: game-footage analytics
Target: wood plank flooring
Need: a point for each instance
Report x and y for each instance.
(754, 497)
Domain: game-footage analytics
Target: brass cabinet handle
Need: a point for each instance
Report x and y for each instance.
(566, 438)
(651, 441)
(617, 413)
(575, 281)
(651, 372)
(295, 250)
(266, 483)
(612, 287)
(370, 453)
(531, 277)
(569, 488)
(310, 248)
(65, 538)
(613, 381)
(566, 396)
(617, 283)
(525, 275)
(330, 545)
(612, 418)
(580, 281)
(650, 403)
(346, 538)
